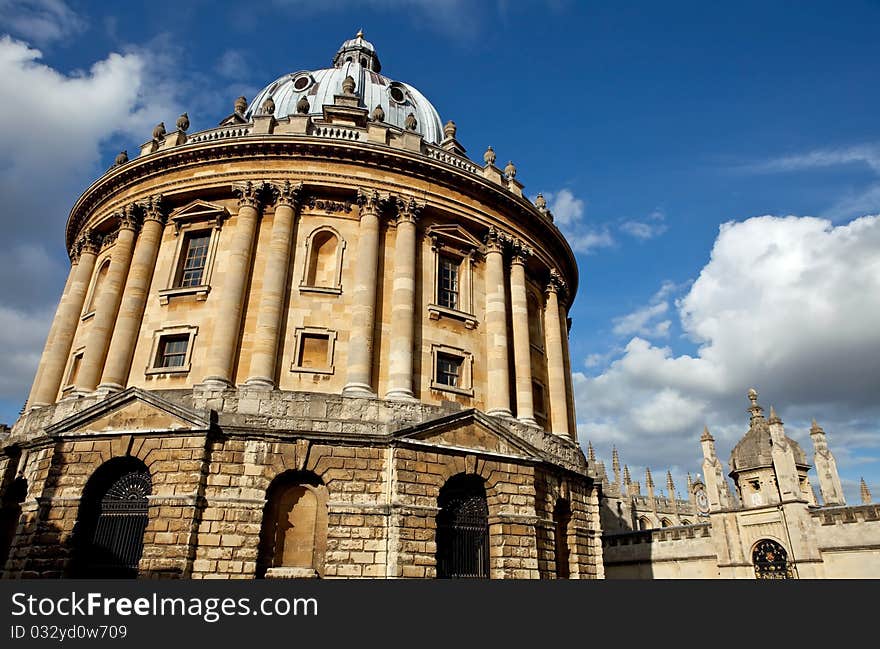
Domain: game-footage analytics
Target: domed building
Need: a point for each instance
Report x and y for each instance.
(316, 341)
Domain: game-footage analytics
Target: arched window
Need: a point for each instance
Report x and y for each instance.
(685, 521)
(323, 268)
(293, 539)
(112, 519)
(463, 529)
(100, 280)
(771, 560)
(561, 520)
(10, 513)
(644, 523)
(665, 522)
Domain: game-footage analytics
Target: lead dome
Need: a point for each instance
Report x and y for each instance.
(358, 59)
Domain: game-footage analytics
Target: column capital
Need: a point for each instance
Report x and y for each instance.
(495, 240)
(371, 202)
(88, 243)
(286, 193)
(520, 251)
(129, 219)
(153, 208)
(249, 193)
(555, 284)
(408, 210)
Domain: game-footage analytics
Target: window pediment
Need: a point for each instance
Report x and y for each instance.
(198, 211)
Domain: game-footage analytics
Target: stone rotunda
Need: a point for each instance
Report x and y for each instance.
(317, 340)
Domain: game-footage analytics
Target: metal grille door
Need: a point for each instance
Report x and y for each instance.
(119, 532)
(771, 561)
(463, 532)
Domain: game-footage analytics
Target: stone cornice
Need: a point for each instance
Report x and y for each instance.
(304, 148)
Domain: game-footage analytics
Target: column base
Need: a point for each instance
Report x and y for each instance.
(358, 390)
(500, 412)
(214, 383)
(529, 421)
(400, 395)
(259, 383)
(108, 388)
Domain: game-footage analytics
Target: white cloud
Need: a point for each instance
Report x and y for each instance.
(637, 322)
(54, 126)
(233, 64)
(568, 214)
(789, 305)
(40, 21)
(868, 154)
(652, 226)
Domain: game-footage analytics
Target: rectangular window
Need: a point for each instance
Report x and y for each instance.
(538, 404)
(193, 259)
(447, 287)
(448, 370)
(74, 368)
(172, 351)
(313, 351)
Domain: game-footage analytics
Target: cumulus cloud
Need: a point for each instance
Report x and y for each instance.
(233, 64)
(790, 305)
(55, 125)
(40, 21)
(568, 213)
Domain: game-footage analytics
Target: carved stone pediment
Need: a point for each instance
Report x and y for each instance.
(470, 430)
(198, 211)
(132, 411)
(455, 237)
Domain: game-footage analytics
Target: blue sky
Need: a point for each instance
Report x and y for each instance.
(647, 125)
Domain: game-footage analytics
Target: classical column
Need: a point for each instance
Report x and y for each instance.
(134, 297)
(230, 301)
(497, 362)
(403, 302)
(264, 354)
(363, 308)
(522, 357)
(63, 329)
(108, 302)
(555, 361)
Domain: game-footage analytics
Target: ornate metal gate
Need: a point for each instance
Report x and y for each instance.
(771, 561)
(118, 541)
(463, 531)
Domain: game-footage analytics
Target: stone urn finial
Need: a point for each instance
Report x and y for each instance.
(348, 85)
(183, 122)
(121, 158)
(489, 156)
(302, 106)
(410, 122)
(449, 130)
(510, 170)
(378, 113)
(159, 131)
(541, 202)
(269, 106)
(241, 105)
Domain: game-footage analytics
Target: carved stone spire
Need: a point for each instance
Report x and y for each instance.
(756, 411)
(670, 485)
(864, 492)
(627, 478)
(591, 454)
(449, 129)
(649, 479)
(706, 437)
(348, 85)
(615, 464)
(774, 418)
(489, 156)
(510, 169)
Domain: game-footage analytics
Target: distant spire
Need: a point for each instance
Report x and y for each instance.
(865, 493)
(627, 479)
(615, 459)
(706, 437)
(591, 454)
(670, 485)
(774, 418)
(816, 429)
(649, 481)
(690, 482)
(360, 33)
(756, 410)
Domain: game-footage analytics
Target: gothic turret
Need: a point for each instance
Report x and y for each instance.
(826, 468)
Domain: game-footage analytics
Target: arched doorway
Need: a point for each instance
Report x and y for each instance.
(463, 529)
(293, 537)
(771, 561)
(10, 513)
(113, 516)
(561, 519)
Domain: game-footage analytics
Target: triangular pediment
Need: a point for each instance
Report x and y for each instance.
(198, 210)
(473, 431)
(133, 410)
(454, 235)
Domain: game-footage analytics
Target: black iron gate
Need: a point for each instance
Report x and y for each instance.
(118, 541)
(463, 531)
(771, 561)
